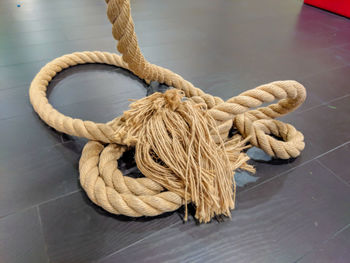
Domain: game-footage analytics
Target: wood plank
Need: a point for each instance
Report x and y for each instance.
(277, 222)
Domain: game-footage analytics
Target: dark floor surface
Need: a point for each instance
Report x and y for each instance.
(294, 212)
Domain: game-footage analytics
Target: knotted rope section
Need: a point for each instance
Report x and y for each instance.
(181, 138)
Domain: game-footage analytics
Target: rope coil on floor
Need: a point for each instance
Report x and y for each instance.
(152, 195)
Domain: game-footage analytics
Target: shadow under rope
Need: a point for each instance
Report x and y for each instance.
(244, 178)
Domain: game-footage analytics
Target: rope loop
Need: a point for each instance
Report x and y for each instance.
(107, 187)
(259, 133)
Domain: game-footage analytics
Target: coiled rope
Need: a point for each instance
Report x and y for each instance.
(150, 196)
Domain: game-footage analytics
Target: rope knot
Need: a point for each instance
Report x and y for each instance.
(174, 98)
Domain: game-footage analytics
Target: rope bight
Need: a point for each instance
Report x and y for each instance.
(181, 137)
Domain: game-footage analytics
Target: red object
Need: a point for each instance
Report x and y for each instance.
(341, 7)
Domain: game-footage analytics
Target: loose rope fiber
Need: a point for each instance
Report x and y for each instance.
(150, 196)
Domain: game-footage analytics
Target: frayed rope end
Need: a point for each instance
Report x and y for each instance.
(174, 147)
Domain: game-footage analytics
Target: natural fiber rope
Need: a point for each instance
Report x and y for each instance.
(118, 194)
(99, 175)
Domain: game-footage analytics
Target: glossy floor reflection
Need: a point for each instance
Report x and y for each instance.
(296, 211)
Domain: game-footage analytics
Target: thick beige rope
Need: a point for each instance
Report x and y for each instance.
(99, 175)
(118, 194)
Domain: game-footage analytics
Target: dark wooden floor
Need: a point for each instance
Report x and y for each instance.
(292, 212)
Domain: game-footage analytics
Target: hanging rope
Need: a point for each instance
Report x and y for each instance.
(180, 137)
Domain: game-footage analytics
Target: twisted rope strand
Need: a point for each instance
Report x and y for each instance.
(99, 175)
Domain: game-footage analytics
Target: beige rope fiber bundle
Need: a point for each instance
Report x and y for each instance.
(181, 137)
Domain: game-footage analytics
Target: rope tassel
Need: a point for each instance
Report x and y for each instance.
(174, 147)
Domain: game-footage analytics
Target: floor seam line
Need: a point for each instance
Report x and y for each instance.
(332, 172)
(42, 232)
(138, 241)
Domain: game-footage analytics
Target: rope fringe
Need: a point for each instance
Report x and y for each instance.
(174, 147)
